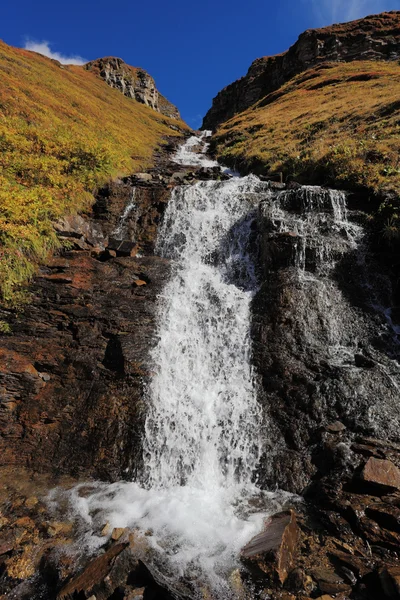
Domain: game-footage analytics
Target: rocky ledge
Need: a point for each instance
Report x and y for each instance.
(133, 82)
(376, 37)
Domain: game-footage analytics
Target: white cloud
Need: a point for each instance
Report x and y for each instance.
(338, 11)
(44, 48)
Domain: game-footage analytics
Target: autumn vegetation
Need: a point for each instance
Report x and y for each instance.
(63, 133)
(336, 125)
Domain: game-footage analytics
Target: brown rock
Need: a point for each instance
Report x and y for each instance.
(96, 571)
(274, 548)
(117, 533)
(137, 594)
(31, 502)
(59, 528)
(356, 564)
(382, 474)
(330, 582)
(6, 546)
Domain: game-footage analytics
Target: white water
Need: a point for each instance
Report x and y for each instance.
(204, 426)
(119, 231)
(192, 153)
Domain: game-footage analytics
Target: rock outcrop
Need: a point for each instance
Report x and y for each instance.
(133, 82)
(376, 37)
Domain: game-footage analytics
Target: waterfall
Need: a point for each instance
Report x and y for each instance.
(204, 428)
(204, 432)
(197, 498)
(119, 232)
(204, 424)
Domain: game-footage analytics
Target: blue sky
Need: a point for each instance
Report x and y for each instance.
(192, 49)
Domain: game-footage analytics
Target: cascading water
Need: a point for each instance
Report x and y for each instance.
(120, 230)
(204, 429)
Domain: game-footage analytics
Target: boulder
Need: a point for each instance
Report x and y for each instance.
(382, 475)
(274, 548)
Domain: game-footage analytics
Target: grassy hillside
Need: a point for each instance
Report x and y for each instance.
(336, 124)
(63, 132)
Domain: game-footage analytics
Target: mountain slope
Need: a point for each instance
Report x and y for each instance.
(335, 123)
(376, 37)
(63, 132)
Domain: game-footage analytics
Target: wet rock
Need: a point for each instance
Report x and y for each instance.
(91, 579)
(358, 565)
(298, 581)
(274, 548)
(382, 475)
(6, 546)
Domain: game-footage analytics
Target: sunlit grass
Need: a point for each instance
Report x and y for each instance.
(337, 125)
(63, 132)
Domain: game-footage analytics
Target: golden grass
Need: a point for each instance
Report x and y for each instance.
(336, 124)
(63, 132)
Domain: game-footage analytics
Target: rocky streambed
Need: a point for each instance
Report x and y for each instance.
(74, 376)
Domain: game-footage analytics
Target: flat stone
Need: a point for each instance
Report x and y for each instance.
(382, 474)
(276, 545)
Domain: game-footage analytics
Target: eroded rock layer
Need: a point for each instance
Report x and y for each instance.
(133, 82)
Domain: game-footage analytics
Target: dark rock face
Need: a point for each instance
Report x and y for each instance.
(376, 37)
(133, 82)
(322, 344)
(74, 370)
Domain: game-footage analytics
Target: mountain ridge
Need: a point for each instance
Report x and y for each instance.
(376, 37)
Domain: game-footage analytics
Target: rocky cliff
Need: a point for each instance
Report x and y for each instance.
(132, 82)
(376, 37)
